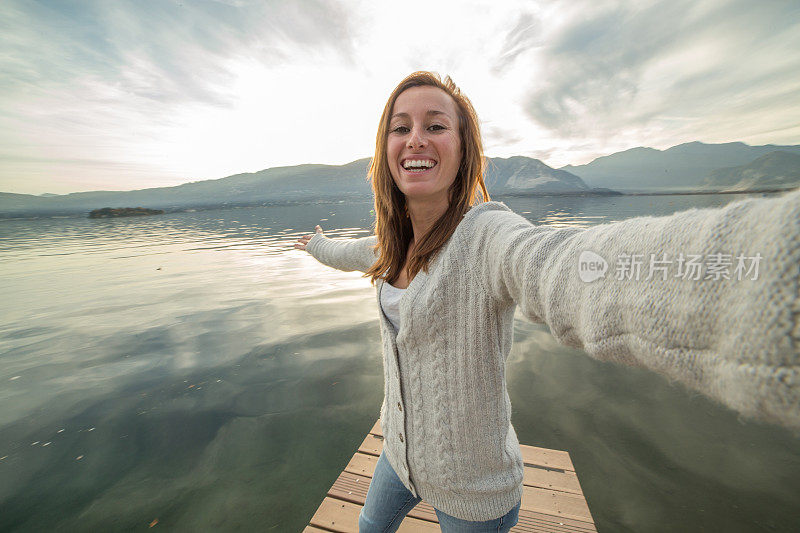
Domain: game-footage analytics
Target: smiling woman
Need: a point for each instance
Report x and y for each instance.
(450, 271)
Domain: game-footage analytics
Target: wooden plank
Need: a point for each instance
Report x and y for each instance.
(563, 480)
(555, 503)
(350, 487)
(362, 464)
(554, 459)
(542, 523)
(311, 529)
(372, 445)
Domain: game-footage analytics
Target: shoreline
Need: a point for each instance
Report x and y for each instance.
(339, 200)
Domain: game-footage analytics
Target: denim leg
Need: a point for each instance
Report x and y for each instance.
(451, 524)
(388, 501)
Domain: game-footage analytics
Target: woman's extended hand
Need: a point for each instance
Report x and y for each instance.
(302, 241)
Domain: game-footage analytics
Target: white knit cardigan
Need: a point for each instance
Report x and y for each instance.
(446, 411)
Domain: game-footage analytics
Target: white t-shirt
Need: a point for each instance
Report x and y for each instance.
(390, 303)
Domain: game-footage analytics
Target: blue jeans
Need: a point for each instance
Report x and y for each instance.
(389, 501)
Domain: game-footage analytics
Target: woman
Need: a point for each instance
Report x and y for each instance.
(450, 273)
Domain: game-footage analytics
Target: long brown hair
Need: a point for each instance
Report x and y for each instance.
(392, 225)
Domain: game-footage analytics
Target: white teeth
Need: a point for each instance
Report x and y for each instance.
(419, 163)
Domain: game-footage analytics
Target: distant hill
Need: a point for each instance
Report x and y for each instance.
(294, 183)
(778, 169)
(681, 167)
(524, 174)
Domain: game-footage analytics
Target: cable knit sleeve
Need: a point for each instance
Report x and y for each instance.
(347, 254)
(719, 311)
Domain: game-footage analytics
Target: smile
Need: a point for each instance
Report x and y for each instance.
(418, 166)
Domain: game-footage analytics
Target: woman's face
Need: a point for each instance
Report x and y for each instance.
(424, 145)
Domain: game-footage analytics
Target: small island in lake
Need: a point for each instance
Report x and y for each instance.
(108, 212)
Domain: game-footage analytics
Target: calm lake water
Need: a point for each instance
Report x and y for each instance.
(195, 369)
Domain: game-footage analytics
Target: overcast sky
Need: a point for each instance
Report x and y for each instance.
(121, 95)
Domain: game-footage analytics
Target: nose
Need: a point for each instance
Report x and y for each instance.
(416, 139)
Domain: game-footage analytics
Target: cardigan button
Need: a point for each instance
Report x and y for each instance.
(400, 407)
(401, 437)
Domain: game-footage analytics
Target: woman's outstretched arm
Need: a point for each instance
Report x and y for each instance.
(708, 297)
(346, 255)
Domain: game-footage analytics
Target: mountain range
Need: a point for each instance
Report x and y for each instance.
(300, 183)
(777, 169)
(693, 166)
(682, 167)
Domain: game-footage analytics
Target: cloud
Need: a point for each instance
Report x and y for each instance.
(525, 35)
(105, 79)
(163, 51)
(633, 68)
(495, 136)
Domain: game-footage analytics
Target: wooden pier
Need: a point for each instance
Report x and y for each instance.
(552, 500)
